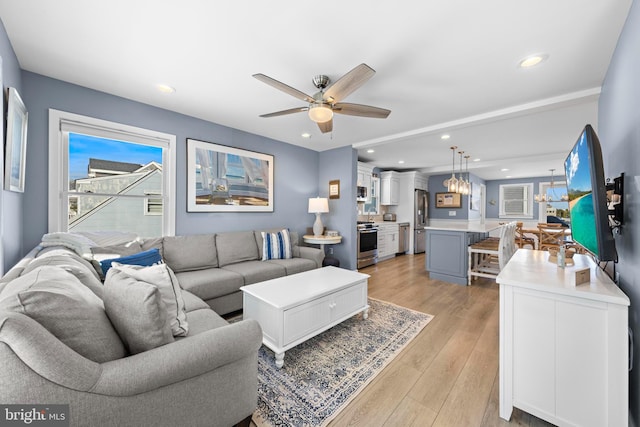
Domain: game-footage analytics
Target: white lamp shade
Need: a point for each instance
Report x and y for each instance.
(320, 113)
(318, 205)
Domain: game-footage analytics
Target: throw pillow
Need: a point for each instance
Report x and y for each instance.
(146, 258)
(58, 301)
(276, 245)
(161, 276)
(137, 312)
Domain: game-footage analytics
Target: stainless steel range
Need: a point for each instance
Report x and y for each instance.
(367, 244)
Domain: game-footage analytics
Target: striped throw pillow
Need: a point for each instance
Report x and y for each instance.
(276, 245)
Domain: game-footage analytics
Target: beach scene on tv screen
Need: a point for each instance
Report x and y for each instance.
(578, 171)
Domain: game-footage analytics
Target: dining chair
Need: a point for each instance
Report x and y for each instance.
(550, 236)
(521, 239)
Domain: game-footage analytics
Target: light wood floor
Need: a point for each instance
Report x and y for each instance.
(448, 375)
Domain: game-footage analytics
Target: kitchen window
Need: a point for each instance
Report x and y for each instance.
(109, 176)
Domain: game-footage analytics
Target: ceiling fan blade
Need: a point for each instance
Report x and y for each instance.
(361, 110)
(284, 112)
(346, 84)
(283, 87)
(326, 126)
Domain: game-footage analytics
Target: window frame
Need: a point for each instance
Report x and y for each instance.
(62, 122)
(528, 201)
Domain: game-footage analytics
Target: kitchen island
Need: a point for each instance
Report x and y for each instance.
(446, 249)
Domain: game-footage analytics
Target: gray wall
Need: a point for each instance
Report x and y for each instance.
(463, 212)
(295, 168)
(493, 192)
(619, 134)
(11, 203)
(341, 163)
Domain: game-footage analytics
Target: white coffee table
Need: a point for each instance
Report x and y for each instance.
(294, 308)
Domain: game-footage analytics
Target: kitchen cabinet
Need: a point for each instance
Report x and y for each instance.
(388, 240)
(563, 347)
(364, 178)
(390, 188)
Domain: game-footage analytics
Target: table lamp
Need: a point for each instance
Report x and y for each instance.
(318, 205)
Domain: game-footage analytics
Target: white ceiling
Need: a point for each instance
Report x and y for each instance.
(442, 66)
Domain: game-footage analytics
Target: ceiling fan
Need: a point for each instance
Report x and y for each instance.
(326, 101)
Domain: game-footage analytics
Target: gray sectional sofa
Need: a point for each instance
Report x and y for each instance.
(208, 377)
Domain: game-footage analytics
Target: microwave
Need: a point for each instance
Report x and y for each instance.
(361, 194)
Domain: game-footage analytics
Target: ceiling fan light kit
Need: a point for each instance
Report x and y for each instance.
(324, 103)
(320, 113)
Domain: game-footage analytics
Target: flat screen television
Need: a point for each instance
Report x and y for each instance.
(586, 187)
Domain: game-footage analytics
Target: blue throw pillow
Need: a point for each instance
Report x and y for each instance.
(146, 259)
(276, 245)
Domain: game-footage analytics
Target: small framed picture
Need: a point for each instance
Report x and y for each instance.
(448, 200)
(334, 189)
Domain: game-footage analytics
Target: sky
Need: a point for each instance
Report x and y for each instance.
(83, 147)
(577, 166)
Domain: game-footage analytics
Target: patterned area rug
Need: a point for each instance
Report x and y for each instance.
(323, 374)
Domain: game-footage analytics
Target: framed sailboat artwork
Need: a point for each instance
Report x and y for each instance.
(228, 179)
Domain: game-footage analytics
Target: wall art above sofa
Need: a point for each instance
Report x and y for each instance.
(227, 179)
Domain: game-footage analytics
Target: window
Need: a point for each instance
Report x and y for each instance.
(108, 176)
(556, 206)
(516, 200)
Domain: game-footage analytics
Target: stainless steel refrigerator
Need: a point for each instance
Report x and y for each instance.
(420, 205)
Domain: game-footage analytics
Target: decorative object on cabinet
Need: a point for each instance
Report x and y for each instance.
(16, 148)
(318, 205)
(227, 179)
(334, 189)
(448, 200)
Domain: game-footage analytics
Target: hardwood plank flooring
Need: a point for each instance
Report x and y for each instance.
(448, 375)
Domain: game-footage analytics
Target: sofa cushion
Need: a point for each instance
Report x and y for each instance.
(294, 265)
(58, 301)
(203, 320)
(153, 243)
(145, 259)
(256, 271)
(72, 263)
(185, 253)
(164, 279)
(236, 247)
(276, 245)
(191, 303)
(210, 283)
(137, 311)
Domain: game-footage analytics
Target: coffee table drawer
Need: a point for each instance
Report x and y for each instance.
(307, 318)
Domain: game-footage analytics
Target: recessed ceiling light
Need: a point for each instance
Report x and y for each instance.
(445, 136)
(476, 160)
(401, 161)
(165, 88)
(508, 176)
(504, 170)
(306, 135)
(371, 150)
(533, 60)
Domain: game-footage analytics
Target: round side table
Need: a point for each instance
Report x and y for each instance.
(324, 240)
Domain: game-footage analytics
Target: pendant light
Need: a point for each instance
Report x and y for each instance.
(467, 184)
(462, 184)
(552, 196)
(452, 183)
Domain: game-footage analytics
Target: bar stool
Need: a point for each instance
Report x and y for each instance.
(486, 259)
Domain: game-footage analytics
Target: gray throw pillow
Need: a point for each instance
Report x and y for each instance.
(137, 311)
(160, 276)
(58, 301)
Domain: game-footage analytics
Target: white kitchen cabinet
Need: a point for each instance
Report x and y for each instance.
(388, 240)
(563, 348)
(390, 188)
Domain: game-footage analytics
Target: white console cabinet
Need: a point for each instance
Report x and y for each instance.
(563, 348)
